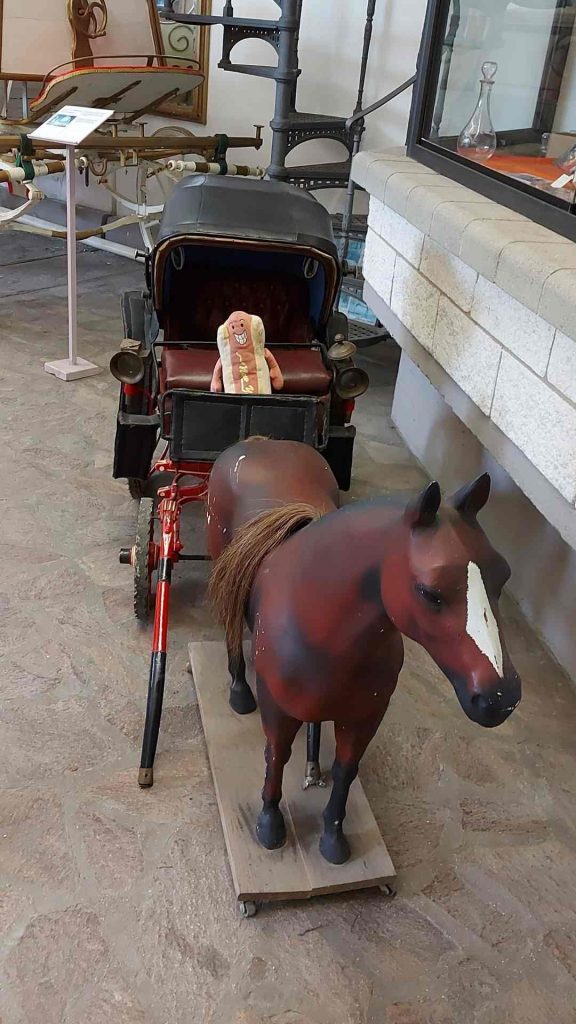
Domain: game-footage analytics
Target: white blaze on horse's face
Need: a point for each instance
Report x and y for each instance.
(481, 625)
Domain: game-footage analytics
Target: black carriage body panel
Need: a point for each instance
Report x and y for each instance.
(135, 441)
(202, 425)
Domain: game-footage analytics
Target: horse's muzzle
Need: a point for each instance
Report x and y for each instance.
(490, 707)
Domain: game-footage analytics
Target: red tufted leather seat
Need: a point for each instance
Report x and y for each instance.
(303, 369)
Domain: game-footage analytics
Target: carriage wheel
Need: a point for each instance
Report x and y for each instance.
(142, 560)
(136, 487)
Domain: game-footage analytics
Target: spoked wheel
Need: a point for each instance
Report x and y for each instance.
(142, 560)
(136, 487)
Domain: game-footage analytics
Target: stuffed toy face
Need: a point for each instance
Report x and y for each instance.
(244, 361)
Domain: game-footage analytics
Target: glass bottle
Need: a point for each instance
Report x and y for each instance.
(477, 141)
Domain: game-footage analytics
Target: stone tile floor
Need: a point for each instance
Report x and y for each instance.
(116, 904)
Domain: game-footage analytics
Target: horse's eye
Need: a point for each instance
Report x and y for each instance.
(433, 598)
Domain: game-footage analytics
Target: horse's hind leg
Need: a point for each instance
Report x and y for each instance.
(280, 732)
(313, 776)
(241, 697)
(351, 742)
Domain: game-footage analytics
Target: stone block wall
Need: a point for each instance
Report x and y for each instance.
(488, 294)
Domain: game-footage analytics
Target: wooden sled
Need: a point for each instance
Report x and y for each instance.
(129, 90)
(236, 754)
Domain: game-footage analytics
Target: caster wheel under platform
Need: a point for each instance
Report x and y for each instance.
(247, 908)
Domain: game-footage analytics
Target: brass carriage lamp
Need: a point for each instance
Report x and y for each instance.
(128, 364)
(351, 381)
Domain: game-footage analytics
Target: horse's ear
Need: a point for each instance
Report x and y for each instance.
(422, 511)
(471, 498)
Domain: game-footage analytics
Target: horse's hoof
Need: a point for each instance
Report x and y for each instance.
(270, 829)
(335, 848)
(242, 700)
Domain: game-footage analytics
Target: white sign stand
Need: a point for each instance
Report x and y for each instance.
(70, 126)
(74, 366)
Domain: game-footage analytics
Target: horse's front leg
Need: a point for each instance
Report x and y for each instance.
(241, 697)
(280, 732)
(351, 742)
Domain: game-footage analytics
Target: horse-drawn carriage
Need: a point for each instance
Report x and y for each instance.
(326, 592)
(223, 245)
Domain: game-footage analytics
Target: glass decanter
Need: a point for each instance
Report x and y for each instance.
(477, 141)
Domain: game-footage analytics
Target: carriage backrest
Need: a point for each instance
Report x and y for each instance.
(232, 243)
(199, 305)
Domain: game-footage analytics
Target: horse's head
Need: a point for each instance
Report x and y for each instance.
(441, 585)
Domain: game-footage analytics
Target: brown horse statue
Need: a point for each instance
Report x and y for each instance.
(327, 594)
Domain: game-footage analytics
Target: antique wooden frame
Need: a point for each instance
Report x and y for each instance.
(198, 108)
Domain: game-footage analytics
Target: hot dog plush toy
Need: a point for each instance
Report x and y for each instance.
(245, 366)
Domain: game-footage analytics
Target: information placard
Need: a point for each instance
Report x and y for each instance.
(71, 125)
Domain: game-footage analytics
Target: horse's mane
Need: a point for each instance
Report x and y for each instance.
(234, 572)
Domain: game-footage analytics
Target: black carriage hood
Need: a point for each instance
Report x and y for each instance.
(243, 208)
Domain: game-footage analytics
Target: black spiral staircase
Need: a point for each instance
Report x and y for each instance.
(290, 127)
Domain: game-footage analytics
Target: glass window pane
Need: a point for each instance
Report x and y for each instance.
(506, 90)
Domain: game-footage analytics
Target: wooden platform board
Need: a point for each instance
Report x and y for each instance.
(236, 753)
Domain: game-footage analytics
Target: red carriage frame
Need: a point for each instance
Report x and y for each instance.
(161, 557)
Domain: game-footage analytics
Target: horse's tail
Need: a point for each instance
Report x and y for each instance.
(234, 572)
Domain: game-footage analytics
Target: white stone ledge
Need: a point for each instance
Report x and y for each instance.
(505, 352)
(499, 338)
(524, 268)
(415, 302)
(379, 263)
(467, 353)
(524, 333)
(558, 300)
(535, 266)
(534, 484)
(527, 335)
(562, 366)
(424, 201)
(449, 274)
(539, 422)
(484, 242)
(451, 219)
(396, 231)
